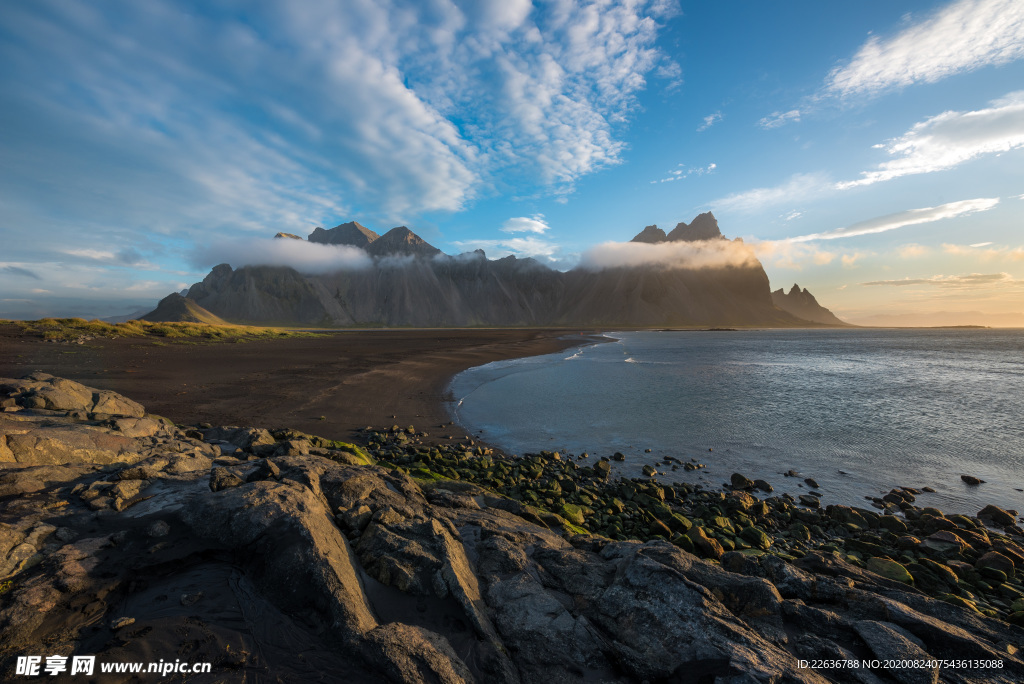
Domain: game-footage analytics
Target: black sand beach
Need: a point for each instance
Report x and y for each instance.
(353, 379)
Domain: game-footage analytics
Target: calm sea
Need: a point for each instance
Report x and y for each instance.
(860, 411)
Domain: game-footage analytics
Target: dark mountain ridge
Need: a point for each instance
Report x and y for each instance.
(802, 304)
(430, 288)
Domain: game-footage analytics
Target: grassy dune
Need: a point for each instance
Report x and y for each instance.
(71, 329)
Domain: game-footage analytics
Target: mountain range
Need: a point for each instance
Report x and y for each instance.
(426, 288)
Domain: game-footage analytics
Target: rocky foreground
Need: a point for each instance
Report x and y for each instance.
(278, 556)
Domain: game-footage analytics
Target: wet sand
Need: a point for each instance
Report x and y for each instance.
(352, 379)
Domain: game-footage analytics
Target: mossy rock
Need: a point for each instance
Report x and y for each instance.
(572, 513)
(723, 523)
(680, 523)
(358, 452)
(941, 571)
(683, 542)
(661, 529)
(800, 531)
(757, 537)
(576, 529)
(660, 511)
(960, 601)
(962, 521)
(424, 474)
(993, 574)
(890, 569)
(893, 524)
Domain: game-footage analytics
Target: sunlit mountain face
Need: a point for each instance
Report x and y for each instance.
(870, 152)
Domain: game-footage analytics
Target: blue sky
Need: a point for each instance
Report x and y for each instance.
(871, 151)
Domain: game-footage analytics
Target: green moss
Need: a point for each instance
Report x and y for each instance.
(356, 451)
(889, 569)
(572, 513)
(575, 529)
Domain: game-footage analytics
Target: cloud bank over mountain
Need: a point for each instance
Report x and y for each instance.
(303, 256)
(706, 254)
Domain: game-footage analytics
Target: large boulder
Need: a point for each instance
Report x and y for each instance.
(44, 391)
(31, 440)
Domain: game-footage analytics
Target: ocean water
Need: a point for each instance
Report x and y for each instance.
(859, 411)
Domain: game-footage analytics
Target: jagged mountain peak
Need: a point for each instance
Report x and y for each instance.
(703, 227)
(401, 241)
(650, 235)
(802, 303)
(352, 233)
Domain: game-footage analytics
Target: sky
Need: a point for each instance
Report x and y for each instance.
(872, 152)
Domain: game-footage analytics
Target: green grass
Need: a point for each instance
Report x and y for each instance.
(67, 329)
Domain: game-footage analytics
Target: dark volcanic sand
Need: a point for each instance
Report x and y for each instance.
(353, 379)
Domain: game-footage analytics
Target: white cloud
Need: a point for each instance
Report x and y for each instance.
(979, 252)
(950, 139)
(86, 288)
(960, 37)
(681, 172)
(693, 255)
(526, 224)
(799, 187)
(181, 122)
(850, 260)
(519, 247)
(911, 217)
(913, 251)
(671, 72)
(303, 256)
(791, 255)
(709, 121)
(959, 282)
(776, 119)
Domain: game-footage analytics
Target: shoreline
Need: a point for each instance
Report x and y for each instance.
(352, 379)
(236, 546)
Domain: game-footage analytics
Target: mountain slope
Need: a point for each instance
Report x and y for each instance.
(177, 309)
